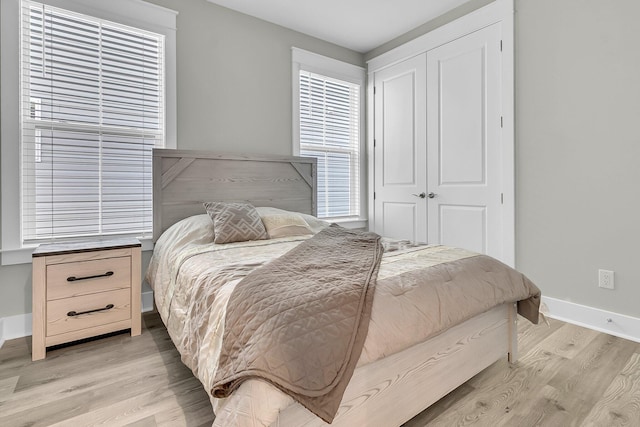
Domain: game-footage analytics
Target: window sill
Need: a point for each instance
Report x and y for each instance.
(23, 255)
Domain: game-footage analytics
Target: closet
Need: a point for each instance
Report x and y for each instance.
(441, 141)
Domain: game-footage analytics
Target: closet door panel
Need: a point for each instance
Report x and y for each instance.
(400, 150)
(464, 142)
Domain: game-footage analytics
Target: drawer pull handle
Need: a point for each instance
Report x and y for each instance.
(75, 279)
(75, 313)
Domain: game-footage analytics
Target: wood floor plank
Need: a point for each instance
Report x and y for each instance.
(620, 405)
(7, 387)
(529, 334)
(547, 407)
(12, 357)
(139, 406)
(68, 407)
(568, 341)
(145, 422)
(589, 374)
(77, 384)
(198, 414)
(82, 360)
(497, 370)
(451, 399)
(501, 393)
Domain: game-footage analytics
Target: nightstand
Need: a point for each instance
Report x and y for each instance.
(84, 289)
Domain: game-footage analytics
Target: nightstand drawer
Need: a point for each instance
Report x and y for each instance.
(66, 315)
(86, 277)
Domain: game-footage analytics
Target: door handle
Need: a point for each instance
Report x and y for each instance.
(423, 195)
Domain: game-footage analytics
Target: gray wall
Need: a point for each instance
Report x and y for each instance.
(234, 95)
(578, 149)
(234, 78)
(577, 146)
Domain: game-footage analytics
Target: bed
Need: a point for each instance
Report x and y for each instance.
(402, 369)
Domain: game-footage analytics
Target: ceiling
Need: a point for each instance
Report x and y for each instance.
(360, 25)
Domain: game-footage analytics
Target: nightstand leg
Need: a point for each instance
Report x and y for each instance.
(39, 315)
(136, 292)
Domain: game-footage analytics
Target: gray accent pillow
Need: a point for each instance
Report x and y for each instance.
(235, 222)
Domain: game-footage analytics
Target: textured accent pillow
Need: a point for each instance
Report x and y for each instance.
(281, 223)
(235, 222)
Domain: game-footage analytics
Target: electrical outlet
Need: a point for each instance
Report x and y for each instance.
(605, 279)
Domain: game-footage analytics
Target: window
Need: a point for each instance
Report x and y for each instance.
(94, 97)
(328, 127)
(92, 110)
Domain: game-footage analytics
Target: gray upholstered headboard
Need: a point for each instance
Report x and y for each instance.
(184, 179)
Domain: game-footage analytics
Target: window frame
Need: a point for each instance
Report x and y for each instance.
(133, 13)
(303, 60)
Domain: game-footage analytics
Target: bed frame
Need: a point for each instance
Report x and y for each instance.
(391, 391)
(387, 392)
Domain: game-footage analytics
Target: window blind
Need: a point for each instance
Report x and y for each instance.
(92, 110)
(329, 131)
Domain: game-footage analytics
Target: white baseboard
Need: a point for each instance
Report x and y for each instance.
(619, 325)
(19, 326)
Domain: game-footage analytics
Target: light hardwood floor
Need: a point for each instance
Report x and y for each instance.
(566, 376)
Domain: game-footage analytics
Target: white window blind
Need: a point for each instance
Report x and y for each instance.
(329, 131)
(92, 110)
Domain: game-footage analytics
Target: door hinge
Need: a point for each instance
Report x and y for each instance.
(501, 121)
(500, 45)
(374, 90)
(502, 198)
(374, 143)
(374, 195)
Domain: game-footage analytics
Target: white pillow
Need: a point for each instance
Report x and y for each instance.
(281, 223)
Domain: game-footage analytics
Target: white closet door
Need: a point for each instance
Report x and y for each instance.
(400, 150)
(464, 138)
